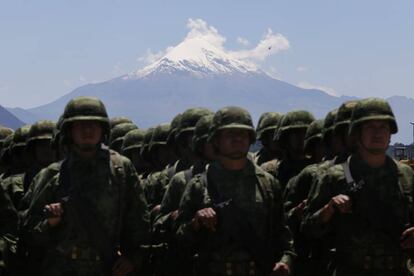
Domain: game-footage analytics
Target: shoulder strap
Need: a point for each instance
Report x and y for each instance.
(347, 171)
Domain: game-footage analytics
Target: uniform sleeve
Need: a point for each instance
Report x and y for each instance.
(170, 202)
(191, 201)
(282, 236)
(325, 189)
(8, 215)
(35, 228)
(135, 226)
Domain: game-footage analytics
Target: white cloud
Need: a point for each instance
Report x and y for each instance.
(328, 90)
(82, 79)
(302, 68)
(151, 57)
(270, 44)
(243, 41)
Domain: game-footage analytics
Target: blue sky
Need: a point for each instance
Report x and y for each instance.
(360, 48)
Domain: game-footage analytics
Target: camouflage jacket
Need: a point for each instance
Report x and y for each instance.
(262, 156)
(8, 215)
(13, 185)
(106, 186)
(381, 207)
(174, 192)
(258, 198)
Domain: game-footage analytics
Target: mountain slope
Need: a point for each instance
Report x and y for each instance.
(197, 73)
(8, 119)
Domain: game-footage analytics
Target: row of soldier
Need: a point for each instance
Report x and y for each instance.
(319, 198)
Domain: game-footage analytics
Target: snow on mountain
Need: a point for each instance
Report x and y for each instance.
(198, 57)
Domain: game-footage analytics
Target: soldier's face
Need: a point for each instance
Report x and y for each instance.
(44, 153)
(375, 136)
(86, 134)
(296, 140)
(233, 143)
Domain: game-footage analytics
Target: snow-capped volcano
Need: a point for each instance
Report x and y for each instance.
(198, 57)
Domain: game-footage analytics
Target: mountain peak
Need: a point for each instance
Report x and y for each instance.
(198, 57)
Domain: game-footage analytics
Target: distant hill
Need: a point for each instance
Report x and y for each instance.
(196, 73)
(8, 119)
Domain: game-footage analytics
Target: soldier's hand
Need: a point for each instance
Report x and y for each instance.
(56, 210)
(300, 207)
(156, 209)
(281, 269)
(122, 267)
(174, 215)
(342, 203)
(407, 238)
(206, 217)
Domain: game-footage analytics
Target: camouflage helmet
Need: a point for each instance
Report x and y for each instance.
(313, 133)
(133, 140)
(299, 119)
(189, 119)
(4, 132)
(118, 120)
(85, 109)
(159, 136)
(41, 130)
(56, 137)
(201, 131)
(20, 137)
(268, 121)
(329, 123)
(118, 133)
(372, 109)
(146, 142)
(343, 117)
(232, 117)
(5, 151)
(174, 126)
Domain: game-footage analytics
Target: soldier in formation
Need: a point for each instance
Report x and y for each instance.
(91, 195)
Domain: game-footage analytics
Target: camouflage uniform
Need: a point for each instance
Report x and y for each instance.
(251, 234)
(8, 231)
(105, 211)
(186, 126)
(13, 184)
(131, 148)
(267, 125)
(288, 167)
(367, 240)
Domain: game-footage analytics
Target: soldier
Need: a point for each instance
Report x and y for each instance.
(232, 214)
(291, 134)
(18, 156)
(271, 150)
(8, 232)
(187, 158)
(5, 161)
(113, 122)
(160, 156)
(118, 133)
(131, 148)
(366, 201)
(91, 217)
(144, 153)
(296, 193)
(177, 259)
